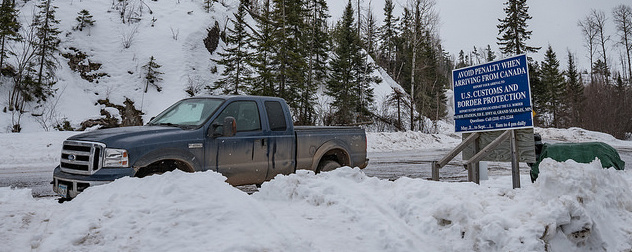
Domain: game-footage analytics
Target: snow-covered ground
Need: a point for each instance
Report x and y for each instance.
(572, 207)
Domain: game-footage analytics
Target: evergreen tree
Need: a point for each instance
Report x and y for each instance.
(553, 80)
(152, 75)
(318, 39)
(432, 99)
(290, 62)
(317, 50)
(208, 5)
(342, 79)
(263, 83)
(490, 55)
(348, 84)
(600, 71)
(461, 61)
(539, 94)
(264, 48)
(574, 92)
(370, 33)
(235, 56)
(402, 55)
(406, 58)
(47, 34)
(84, 19)
(388, 37)
(514, 29)
(9, 27)
(622, 113)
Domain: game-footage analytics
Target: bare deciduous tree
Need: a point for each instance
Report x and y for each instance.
(19, 95)
(622, 15)
(587, 26)
(599, 21)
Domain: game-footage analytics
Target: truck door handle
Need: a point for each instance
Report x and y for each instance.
(263, 142)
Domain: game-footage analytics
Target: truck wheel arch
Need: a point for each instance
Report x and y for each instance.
(184, 161)
(331, 150)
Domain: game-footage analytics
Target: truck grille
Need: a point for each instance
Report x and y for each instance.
(81, 157)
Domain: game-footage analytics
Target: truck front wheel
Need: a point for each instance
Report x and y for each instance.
(328, 165)
(163, 166)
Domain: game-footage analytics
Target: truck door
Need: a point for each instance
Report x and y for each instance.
(242, 158)
(281, 149)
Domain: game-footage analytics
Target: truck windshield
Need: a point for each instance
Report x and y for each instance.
(189, 113)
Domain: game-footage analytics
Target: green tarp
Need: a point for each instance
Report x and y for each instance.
(579, 152)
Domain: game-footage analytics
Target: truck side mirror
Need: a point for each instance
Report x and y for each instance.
(230, 126)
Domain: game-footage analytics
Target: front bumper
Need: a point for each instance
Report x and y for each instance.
(75, 183)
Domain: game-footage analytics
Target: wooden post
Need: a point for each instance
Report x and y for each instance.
(472, 163)
(515, 166)
(473, 174)
(435, 170)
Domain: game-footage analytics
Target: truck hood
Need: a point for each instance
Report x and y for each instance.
(117, 137)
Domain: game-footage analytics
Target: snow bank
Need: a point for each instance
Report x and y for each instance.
(571, 207)
(576, 135)
(586, 206)
(175, 212)
(22, 218)
(410, 140)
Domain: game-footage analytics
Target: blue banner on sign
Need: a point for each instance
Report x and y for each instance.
(493, 96)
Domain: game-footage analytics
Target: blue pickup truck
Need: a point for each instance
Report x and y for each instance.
(248, 139)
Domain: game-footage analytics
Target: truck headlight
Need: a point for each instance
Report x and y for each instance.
(115, 158)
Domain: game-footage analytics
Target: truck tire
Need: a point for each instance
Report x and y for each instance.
(327, 165)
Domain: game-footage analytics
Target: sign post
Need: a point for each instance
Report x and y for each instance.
(493, 104)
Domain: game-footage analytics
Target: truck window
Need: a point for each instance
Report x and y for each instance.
(245, 113)
(276, 118)
(189, 112)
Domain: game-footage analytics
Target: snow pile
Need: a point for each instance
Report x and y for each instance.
(584, 205)
(571, 207)
(576, 135)
(577, 206)
(174, 212)
(22, 217)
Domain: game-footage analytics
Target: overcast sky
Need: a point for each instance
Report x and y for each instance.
(468, 23)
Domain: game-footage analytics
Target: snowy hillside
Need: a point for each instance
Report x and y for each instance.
(176, 46)
(170, 31)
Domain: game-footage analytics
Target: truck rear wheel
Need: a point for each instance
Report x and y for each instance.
(328, 165)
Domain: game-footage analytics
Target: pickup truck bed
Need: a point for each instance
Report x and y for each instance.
(329, 143)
